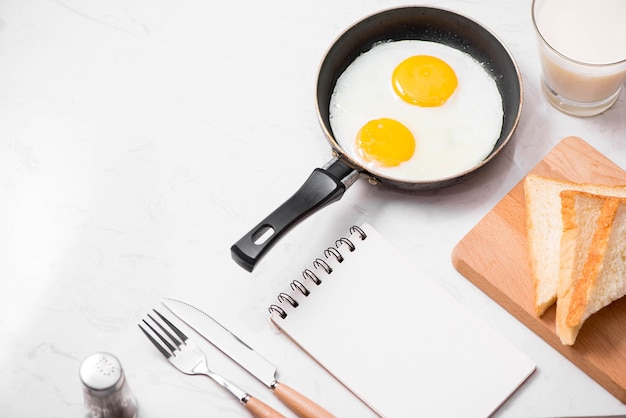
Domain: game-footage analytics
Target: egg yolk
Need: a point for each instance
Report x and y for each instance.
(385, 141)
(424, 80)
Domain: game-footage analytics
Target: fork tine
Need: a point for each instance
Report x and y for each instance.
(167, 332)
(178, 332)
(161, 337)
(163, 351)
(169, 335)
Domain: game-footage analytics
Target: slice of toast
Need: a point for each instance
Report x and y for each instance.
(594, 267)
(580, 212)
(544, 227)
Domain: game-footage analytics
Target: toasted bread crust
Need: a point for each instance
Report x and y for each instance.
(579, 296)
(585, 284)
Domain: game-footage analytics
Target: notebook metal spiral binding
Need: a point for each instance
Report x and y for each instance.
(280, 311)
(319, 263)
(359, 230)
(297, 285)
(309, 274)
(285, 297)
(345, 241)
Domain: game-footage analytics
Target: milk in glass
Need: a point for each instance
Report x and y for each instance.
(582, 48)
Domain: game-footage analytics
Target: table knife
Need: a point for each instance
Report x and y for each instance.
(245, 356)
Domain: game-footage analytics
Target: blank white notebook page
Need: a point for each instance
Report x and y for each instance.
(398, 340)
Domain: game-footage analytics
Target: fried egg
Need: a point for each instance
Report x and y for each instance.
(416, 110)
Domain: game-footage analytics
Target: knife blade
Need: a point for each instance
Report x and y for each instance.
(245, 356)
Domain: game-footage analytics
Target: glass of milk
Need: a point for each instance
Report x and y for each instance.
(582, 49)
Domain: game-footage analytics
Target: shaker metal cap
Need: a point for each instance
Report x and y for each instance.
(101, 372)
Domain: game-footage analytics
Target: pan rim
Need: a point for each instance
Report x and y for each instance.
(377, 178)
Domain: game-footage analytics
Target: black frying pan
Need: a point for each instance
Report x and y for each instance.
(327, 184)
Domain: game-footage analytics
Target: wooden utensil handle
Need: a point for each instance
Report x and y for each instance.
(260, 409)
(299, 403)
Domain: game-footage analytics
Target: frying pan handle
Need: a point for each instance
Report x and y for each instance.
(323, 187)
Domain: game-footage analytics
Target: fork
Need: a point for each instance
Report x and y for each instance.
(187, 357)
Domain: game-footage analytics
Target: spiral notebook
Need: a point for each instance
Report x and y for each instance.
(398, 340)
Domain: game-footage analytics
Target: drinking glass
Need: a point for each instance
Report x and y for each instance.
(582, 49)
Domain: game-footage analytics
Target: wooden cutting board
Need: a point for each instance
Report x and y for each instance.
(494, 256)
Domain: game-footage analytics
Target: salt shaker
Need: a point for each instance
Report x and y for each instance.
(105, 390)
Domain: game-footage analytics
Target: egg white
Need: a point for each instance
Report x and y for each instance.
(449, 139)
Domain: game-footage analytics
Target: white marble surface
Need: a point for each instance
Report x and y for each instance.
(140, 139)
